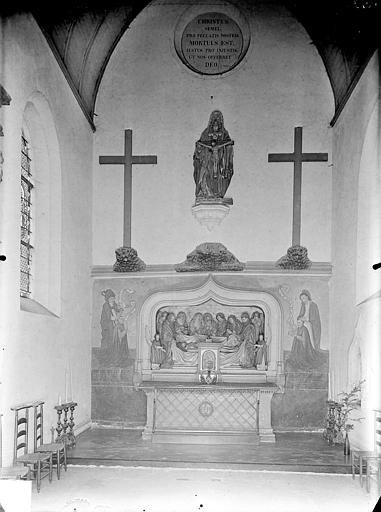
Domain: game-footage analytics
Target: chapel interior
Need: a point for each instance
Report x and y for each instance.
(190, 232)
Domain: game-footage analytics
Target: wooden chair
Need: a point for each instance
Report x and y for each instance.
(57, 449)
(12, 473)
(40, 464)
(370, 460)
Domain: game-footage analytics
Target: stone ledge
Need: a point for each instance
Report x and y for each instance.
(251, 268)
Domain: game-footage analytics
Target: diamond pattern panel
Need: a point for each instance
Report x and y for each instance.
(211, 409)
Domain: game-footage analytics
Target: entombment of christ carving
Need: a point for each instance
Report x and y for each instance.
(127, 258)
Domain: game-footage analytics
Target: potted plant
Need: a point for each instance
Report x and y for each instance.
(348, 403)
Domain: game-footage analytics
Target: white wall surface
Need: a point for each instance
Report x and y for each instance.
(37, 348)
(368, 281)
(281, 83)
(351, 149)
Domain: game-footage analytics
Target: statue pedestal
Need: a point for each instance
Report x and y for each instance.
(210, 213)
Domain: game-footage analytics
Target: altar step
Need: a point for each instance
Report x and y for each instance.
(343, 469)
(294, 452)
(205, 438)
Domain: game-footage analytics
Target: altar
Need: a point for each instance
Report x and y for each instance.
(150, 366)
(208, 414)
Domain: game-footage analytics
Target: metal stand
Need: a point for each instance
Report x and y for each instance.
(65, 428)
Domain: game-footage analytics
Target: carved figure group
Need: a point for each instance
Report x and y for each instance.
(241, 340)
(213, 160)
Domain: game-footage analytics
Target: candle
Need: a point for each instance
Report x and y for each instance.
(329, 386)
(59, 400)
(70, 391)
(66, 386)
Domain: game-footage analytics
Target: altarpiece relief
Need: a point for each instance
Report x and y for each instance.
(238, 332)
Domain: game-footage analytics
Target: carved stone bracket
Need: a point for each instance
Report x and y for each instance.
(295, 259)
(210, 214)
(127, 260)
(210, 257)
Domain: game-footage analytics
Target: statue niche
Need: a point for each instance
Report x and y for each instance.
(213, 162)
(239, 334)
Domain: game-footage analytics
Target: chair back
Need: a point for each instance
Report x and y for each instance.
(38, 424)
(377, 431)
(21, 434)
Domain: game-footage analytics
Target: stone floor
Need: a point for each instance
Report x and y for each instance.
(116, 471)
(291, 452)
(143, 489)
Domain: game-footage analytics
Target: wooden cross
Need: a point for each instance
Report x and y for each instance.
(128, 160)
(298, 158)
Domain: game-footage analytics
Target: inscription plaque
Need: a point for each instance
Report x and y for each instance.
(212, 44)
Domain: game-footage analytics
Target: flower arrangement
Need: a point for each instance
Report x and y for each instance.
(339, 420)
(349, 402)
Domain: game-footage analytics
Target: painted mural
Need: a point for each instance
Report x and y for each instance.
(305, 352)
(117, 312)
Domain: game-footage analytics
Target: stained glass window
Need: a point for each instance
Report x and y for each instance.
(26, 219)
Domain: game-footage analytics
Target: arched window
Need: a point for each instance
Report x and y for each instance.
(41, 199)
(26, 246)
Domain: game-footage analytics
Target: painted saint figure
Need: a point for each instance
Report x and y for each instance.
(108, 318)
(302, 355)
(213, 160)
(114, 342)
(309, 313)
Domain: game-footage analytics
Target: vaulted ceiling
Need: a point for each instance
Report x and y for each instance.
(83, 34)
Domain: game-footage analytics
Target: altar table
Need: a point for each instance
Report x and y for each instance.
(208, 414)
